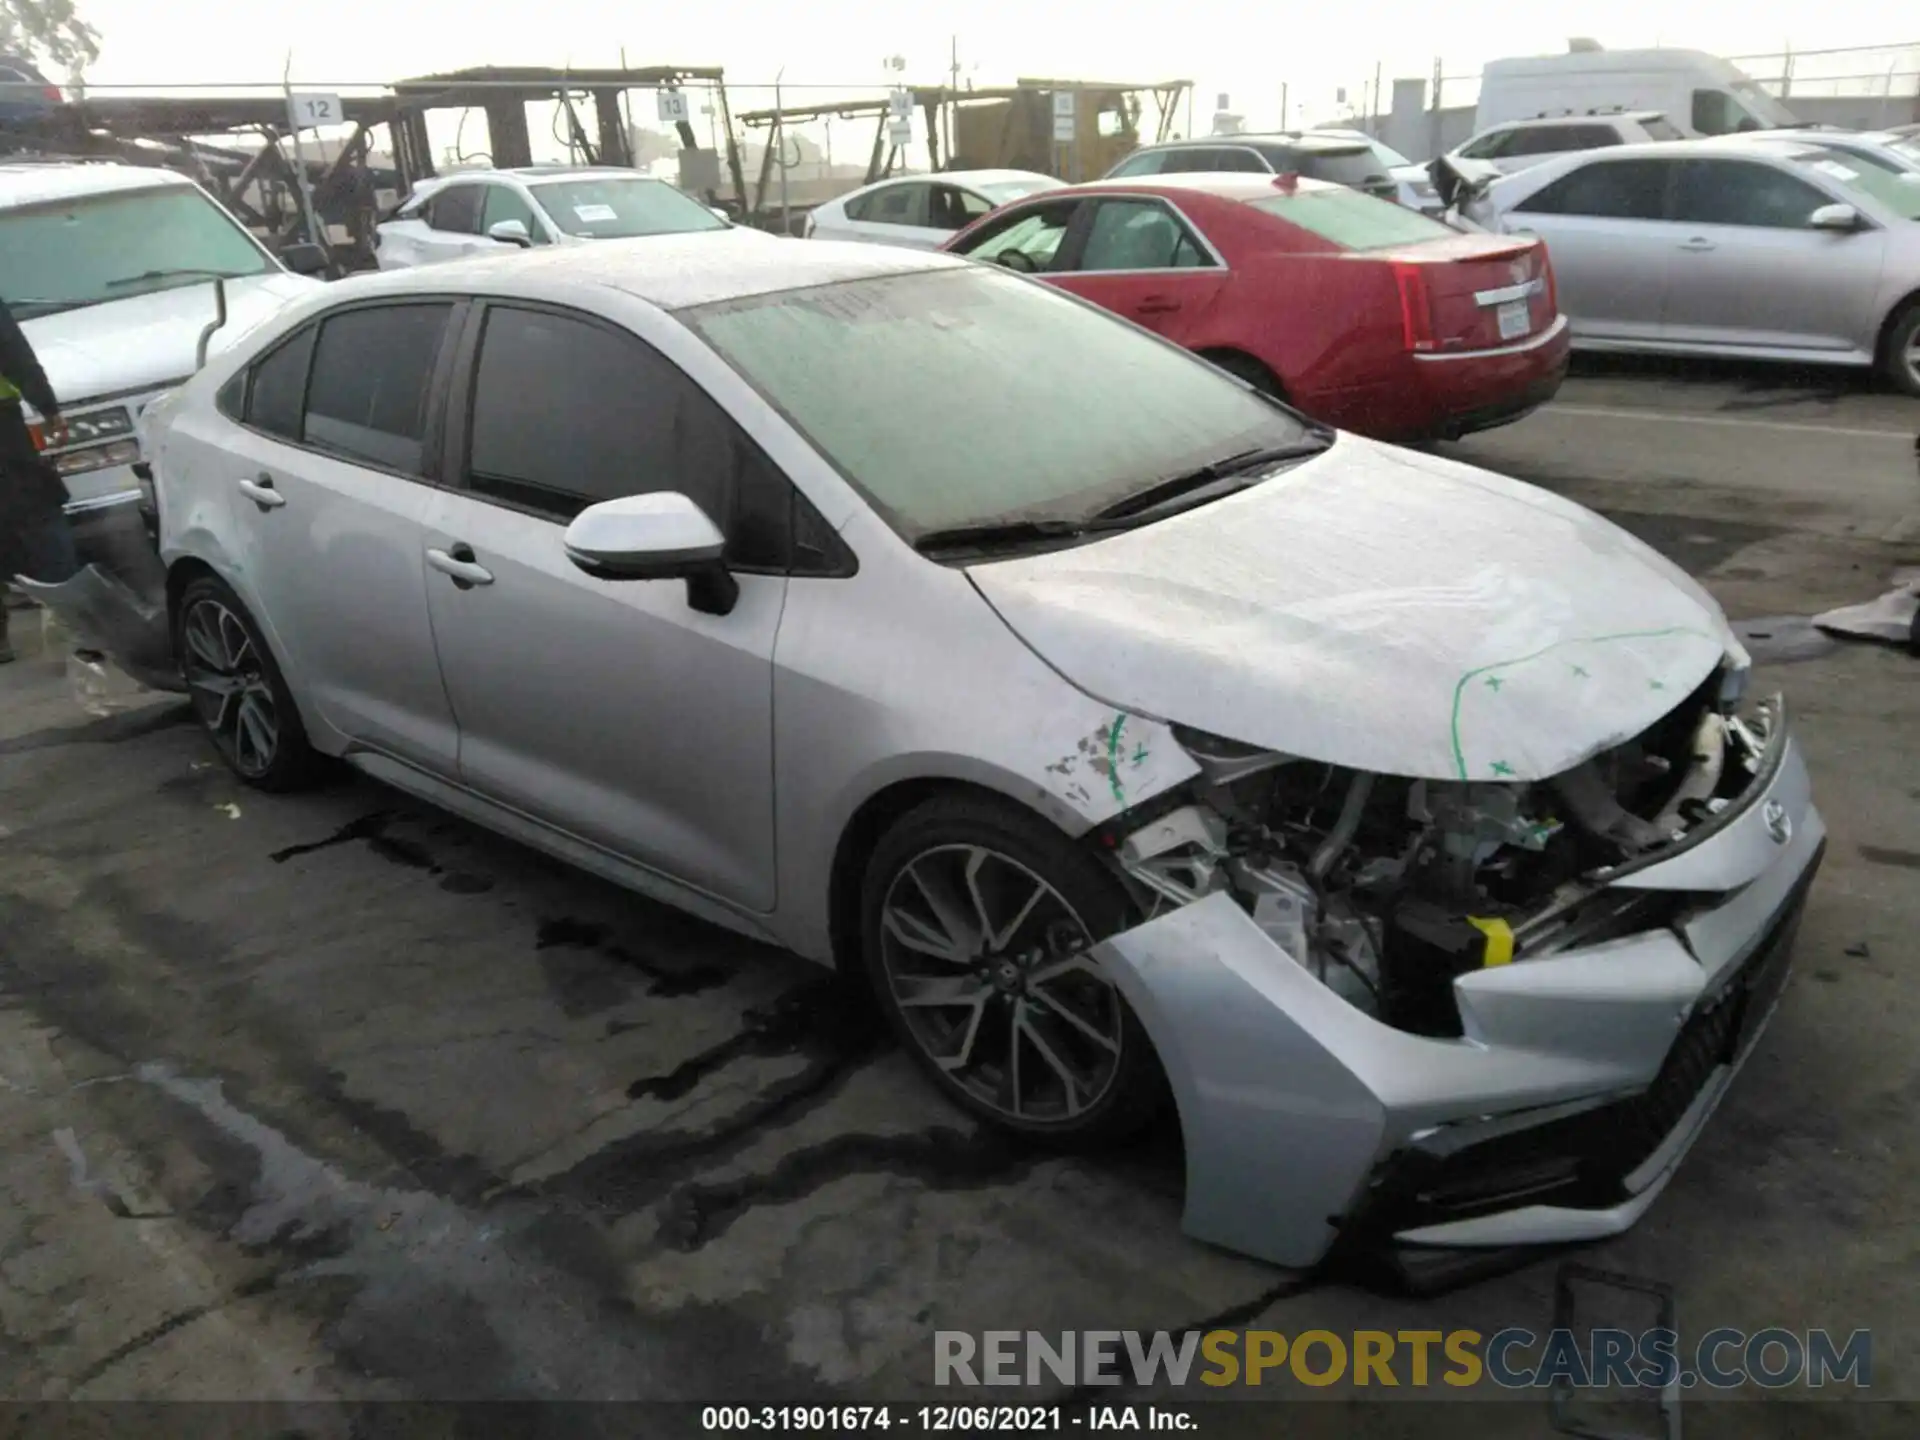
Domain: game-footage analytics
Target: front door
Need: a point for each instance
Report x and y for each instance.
(326, 468)
(1137, 258)
(612, 710)
(1749, 270)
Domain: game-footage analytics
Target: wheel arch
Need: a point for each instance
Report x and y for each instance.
(1238, 362)
(183, 571)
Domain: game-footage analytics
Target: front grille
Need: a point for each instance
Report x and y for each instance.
(1582, 1160)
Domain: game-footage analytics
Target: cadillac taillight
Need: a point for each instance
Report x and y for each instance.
(1416, 308)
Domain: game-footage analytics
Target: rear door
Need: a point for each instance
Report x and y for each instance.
(1612, 245)
(613, 711)
(1139, 257)
(1748, 270)
(330, 469)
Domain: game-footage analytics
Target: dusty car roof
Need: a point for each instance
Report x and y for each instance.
(1303, 140)
(31, 184)
(1227, 184)
(673, 272)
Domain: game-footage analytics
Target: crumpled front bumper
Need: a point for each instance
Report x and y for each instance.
(1580, 1083)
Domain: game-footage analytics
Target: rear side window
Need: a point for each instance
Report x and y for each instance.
(1606, 189)
(895, 205)
(567, 414)
(372, 371)
(1141, 162)
(1658, 127)
(1354, 221)
(456, 210)
(278, 392)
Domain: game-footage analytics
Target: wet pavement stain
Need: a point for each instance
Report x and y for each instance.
(108, 730)
(940, 1159)
(666, 981)
(372, 829)
(781, 1028)
(1887, 855)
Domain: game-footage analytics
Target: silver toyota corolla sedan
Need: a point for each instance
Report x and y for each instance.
(1406, 828)
(1765, 249)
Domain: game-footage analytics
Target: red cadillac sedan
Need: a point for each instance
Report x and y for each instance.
(1357, 311)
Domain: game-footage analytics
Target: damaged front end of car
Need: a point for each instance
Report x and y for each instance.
(1445, 1016)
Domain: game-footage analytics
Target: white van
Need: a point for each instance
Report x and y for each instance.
(1700, 93)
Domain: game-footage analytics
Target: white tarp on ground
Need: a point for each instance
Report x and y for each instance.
(1895, 616)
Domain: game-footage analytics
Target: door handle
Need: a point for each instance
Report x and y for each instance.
(262, 493)
(1156, 305)
(458, 564)
(1697, 244)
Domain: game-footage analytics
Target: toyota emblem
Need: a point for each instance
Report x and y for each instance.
(1779, 825)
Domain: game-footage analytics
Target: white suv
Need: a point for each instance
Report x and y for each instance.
(1520, 143)
(108, 269)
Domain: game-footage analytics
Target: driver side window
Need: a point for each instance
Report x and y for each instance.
(506, 203)
(1027, 242)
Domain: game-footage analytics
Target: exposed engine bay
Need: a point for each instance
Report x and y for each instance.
(1387, 888)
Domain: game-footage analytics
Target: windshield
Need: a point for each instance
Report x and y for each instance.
(1003, 192)
(1354, 221)
(960, 397)
(1899, 193)
(619, 207)
(98, 248)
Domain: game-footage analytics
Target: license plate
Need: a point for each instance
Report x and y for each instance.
(1515, 319)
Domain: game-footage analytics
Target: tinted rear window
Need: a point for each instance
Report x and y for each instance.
(1354, 221)
(1342, 167)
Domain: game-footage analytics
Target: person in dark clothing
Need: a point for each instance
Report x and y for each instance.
(34, 538)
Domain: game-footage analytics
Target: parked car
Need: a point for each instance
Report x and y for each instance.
(1882, 149)
(111, 271)
(25, 94)
(1362, 313)
(479, 212)
(1701, 93)
(1766, 249)
(923, 211)
(1415, 188)
(1520, 143)
(868, 531)
(1308, 154)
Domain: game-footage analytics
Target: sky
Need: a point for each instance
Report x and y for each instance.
(1245, 52)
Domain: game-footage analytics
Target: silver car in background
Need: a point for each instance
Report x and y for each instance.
(1128, 734)
(1761, 249)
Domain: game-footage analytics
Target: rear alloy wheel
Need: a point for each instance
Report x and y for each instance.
(1900, 353)
(979, 920)
(237, 690)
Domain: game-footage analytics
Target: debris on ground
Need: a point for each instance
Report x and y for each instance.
(1894, 617)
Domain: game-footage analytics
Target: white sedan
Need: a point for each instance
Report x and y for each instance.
(922, 211)
(481, 212)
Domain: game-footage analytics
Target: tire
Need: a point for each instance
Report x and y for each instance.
(1245, 367)
(238, 692)
(1082, 1070)
(1900, 351)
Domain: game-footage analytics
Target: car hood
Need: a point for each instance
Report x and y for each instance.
(1381, 609)
(147, 341)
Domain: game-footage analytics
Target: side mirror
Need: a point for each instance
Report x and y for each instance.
(720, 214)
(1842, 218)
(306, 258)
(663, 536)
(510, 232)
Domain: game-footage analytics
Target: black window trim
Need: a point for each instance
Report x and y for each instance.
(432, 432)
(456, 435)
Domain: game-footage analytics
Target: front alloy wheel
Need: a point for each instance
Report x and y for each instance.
(988, 965)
